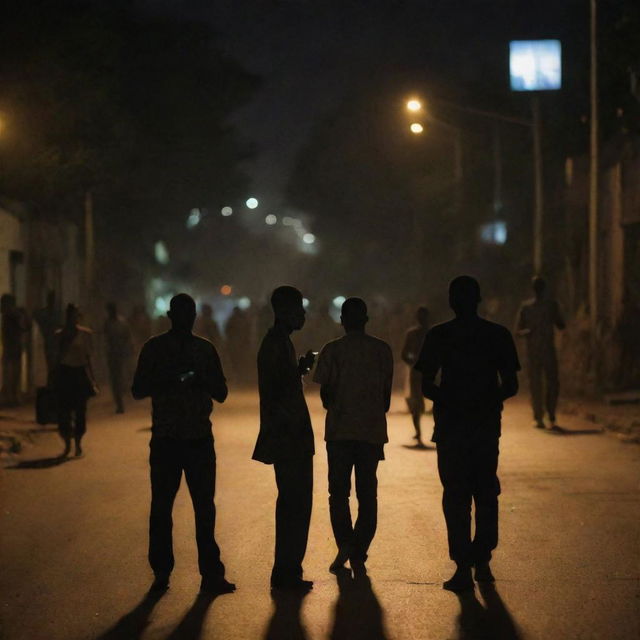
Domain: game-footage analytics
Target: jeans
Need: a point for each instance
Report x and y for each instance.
(169, 457)
(543, 383)
(343, 457)
(468, 471)
(294, 478)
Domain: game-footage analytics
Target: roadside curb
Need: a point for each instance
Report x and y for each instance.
(623, 421)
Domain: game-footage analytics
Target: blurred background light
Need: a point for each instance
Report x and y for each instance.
(338, 301)
(252, 203)
(244, 303)
(414, 105)
(226, 290)
(226, 211)
(416, 127)
(161, 252)
(305, 303)
(194, 218)
(271, 219)
(308, 238)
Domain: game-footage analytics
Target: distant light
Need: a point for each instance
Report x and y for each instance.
(535, 65)
(494, 232)
(414, 105)
(308, 238)
(226, 290)
(161, 252)
(287, 221)
(271, 219)
(338, 301)
(305, 303)
(244, 303)
(252, 203)
(226, 211)
(161, 305)
(416, 128)
(297, 223)
(194, 218)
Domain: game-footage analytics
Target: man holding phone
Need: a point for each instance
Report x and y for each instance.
(182, 373)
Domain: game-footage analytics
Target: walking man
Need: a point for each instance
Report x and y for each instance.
(536, 321)
(285, 439)
(182, 373)
(478, 364)
(412, 345)
(356, 373)
(119, 349)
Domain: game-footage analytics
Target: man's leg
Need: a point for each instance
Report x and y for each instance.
(366, 465)
(166, 472)
(80, 422)
(294, 478)
(486, 489)
(553, 385)
(64, 422)
(340, 459)
(455, 472)
(200, 473)
(115, 378)
(535, 387)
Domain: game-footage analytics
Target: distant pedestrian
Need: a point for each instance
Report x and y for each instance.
(238, 338)
(413, 342)
(285, 439)
(356, 374)
(207, 327)
(141, 327)
(48, 321)
(181, 373)
(478, 365)
(536, 321)
(73, 379)
(119, 350)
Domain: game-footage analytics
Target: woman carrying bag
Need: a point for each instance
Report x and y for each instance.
(74, 381)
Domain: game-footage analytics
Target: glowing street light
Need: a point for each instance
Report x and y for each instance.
(414, 105)
(226, 211)
(252, 203)
(416, 128)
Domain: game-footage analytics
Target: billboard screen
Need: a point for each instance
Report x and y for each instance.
(535, 65)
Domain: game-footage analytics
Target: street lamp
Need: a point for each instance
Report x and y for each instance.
(416, 128)
(414, 105)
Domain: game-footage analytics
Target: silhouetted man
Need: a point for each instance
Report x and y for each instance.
(182, 372)
(118, 342)
(413, 342)
(536, 321)
(286, 437)
(478, 362)
(206, 326)
(356, 373)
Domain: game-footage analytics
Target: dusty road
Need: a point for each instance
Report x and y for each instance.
(74, 539)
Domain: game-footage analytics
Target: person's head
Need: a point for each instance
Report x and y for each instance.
(206, 310)
(287, 306)
(539, 286)
(353, 314)
(112, 309)
(182, 312)
(464, 295)
(72, 315)
(422, 315)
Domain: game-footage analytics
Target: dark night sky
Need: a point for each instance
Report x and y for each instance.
(309, 53)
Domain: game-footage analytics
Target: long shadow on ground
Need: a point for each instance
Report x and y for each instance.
(133, 624)
(41, 463)
(285, 621)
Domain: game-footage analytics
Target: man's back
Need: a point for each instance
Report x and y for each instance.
(357, 369)
(538, 316)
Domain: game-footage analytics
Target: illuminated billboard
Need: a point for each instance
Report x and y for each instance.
(535, 65)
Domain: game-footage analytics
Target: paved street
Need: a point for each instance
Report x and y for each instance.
(74, 542)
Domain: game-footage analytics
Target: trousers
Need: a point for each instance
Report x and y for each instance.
(294, 479)
(543, 382)
(168, 459)
(468, 473)
(345, 456)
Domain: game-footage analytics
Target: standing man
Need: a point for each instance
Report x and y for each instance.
(478, 364)
(356, 373)
(413, 342)
(119, 349)
(536, 320)
(182, 373)
(286, 437)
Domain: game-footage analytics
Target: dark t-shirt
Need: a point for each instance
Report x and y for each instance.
(469, 354)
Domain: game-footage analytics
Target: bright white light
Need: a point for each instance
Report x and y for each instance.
(338, 301)
(416, 128)
(161, 305)
(194, 218)
(252, 203)
(271, 219)
(226, 211)
(161, 252)
(305, 303)
(308, 238)
(414, 105)
(287, 221)
(494, 232)
(244, 303)
(535, 65)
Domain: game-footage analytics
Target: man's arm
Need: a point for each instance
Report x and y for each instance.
(322, 375)
(143, 378)
(428, 364)
(522, 326)
(388, 382)
(213, 378)
(508, 367)
(407, 354)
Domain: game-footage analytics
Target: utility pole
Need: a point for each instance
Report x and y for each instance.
(537, 185)
(89, 246)
(593, 184)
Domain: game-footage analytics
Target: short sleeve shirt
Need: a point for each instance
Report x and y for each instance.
(540, 317)
(469, 357)
(358, 369)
